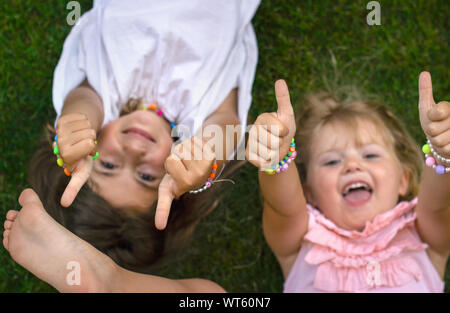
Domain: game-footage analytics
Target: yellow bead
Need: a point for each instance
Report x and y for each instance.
(60, 162)
(269, 171)
(426, 149)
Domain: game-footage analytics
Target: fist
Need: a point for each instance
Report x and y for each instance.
(76, 141)
(187, 168)
(270, 136)
(76, 138)
(434, 117)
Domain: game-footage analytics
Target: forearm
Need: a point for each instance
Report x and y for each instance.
(136, 282)
(283, 191)
(84, 99)
(434, 191)
(220, 129)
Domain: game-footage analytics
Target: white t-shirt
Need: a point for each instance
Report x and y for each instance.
(185, 55)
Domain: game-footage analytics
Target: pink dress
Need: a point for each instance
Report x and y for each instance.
(387, 256)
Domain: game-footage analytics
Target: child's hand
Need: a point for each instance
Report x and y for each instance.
(76, 142)
(434, 118)
(184, 173)
(270, 137)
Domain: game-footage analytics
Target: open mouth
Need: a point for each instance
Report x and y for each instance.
(357, 193)
(139, 133)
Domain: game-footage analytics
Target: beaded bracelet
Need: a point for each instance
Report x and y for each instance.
(284, 164)
(431, 161)
(209, 182)
(59, 159)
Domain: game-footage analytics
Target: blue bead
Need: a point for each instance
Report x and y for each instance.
(56, 138)
(274, 167)
(172, 125)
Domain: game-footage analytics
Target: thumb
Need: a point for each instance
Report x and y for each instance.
(285, 109)
(165, 197)
(29, 196)
(77, 179)
(426, 100)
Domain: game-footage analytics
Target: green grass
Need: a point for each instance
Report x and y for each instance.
(298, 41)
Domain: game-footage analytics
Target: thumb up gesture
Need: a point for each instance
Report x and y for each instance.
(434, 117)
(270, 137)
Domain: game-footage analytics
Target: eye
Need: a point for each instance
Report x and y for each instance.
(146, 177)
(332, 162)
(371, 155)
(108, 165)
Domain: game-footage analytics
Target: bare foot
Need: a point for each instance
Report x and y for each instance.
(52, 253)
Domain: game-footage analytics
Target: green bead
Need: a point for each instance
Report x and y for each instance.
(56, 150)
(289, 153)
(292, 140)
(60, 162)
(95, 156)
(426, 149)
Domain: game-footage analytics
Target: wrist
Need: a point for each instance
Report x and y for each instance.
(439, 163)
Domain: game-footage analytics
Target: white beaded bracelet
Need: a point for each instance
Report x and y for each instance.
(436, 155)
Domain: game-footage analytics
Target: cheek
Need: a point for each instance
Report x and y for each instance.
(164, 150)
(323, 181)
(106, 138)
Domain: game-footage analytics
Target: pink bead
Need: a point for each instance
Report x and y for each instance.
(208, 184)
(430, 161)
(160, 112)
(278, 170)
(294, 154)
(289, 160)
(284, 167)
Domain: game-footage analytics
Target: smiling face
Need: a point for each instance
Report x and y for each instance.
(353, 175)
(132, 151)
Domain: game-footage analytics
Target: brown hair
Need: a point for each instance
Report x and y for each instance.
(318, 110)
(133, 242)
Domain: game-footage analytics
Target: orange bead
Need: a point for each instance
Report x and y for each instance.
(292, 149)
(212, 175)
(152, 106)
(215, 166)
(66, 171)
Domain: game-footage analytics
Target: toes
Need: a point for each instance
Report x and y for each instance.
(6, 239)
(7, 225)
(11, 215)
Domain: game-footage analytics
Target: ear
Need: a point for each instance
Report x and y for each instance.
(308, 194)
(404, 182)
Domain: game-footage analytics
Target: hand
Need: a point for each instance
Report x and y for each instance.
(76, 142)
(270, 136)
(434, 117)
(185, 172)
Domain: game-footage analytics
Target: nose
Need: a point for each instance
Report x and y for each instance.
(134, 149)
(352, 164)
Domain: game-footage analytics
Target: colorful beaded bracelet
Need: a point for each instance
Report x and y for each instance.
(210, 180)
(430, 161)
(284, 164)
(59, 159)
